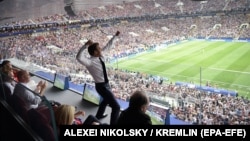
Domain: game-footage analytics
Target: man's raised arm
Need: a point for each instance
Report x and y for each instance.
(79, 54)
(111, 41)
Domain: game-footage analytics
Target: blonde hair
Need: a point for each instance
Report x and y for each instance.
(64, 114)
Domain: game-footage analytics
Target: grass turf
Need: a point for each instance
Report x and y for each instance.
(223, 64)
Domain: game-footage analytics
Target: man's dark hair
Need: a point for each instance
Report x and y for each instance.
(5, 62)
(138, 99)
(92, 48)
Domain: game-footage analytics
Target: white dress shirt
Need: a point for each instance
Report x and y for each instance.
(93, 64)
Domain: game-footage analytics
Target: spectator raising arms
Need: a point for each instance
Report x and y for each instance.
(96, 67)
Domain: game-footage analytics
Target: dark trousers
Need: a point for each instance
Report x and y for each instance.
(108, 99)
(90, 119)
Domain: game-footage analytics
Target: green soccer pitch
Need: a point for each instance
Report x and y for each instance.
(224, 65)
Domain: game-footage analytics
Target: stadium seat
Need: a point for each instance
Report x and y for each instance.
(41, 125)
(5, 92)
(19, 107)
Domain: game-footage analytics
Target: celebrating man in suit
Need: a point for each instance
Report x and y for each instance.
(96, 67)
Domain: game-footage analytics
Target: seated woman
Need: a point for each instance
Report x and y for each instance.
(67, 115)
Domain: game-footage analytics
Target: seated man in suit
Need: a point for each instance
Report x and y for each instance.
(8, 85)
(6, 67)
(23, 91)
(135, 114)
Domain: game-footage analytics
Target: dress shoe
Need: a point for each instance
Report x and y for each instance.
(102, 116)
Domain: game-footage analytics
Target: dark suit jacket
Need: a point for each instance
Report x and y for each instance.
(133, 117)
(31, 100)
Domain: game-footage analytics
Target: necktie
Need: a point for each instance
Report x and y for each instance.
(104, 71)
